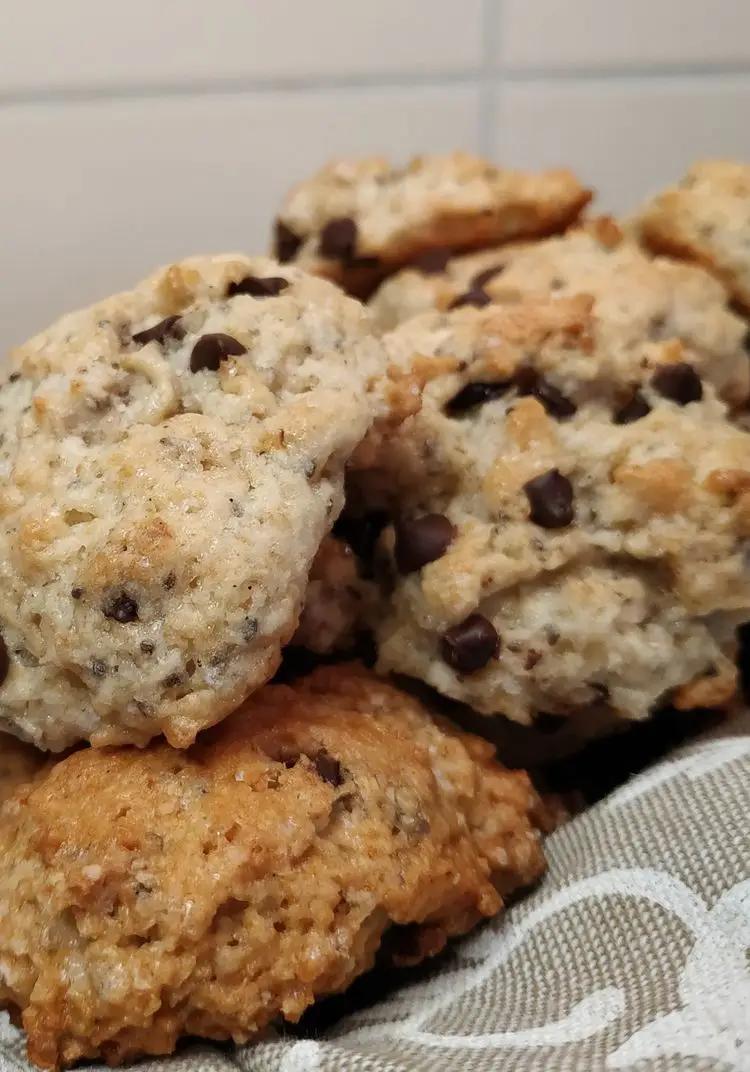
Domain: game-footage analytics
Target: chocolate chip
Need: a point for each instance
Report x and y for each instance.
(258, 288)
(679, 382)
(421, 540)
(76, 593)
(474, 296)
(169, 581)
(432, 261)
(482, 278)
(530, 382)
(168, 328)
(211, 350)
(633, 410)
(171, 681)
(475, 394)
(249, 629)
(121, 608)
(14, 377)
(338, 239)
(147, 647)
(328, 768)
(551, 500)
(4, 660)
(469, 646)
(98, 667)
(286, 241)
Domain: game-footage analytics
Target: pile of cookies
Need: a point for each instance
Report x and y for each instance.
(456, 430)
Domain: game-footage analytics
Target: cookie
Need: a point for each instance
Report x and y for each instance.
(19, 763)
(357, 221)
(336, 601)
(171, 459)
(567, 539)
(641, 302)
(706, 218)
(151, 894)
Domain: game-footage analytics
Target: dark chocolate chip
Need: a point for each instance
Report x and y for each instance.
(679, 382)
(482, 278)
(169, 580)
(211, 350)
(98, 667)
(147, 647)
(530, 382)
(4, 660)
(633, 410)
(328, 768)
(76, 593)
(168, 328)
(475, 394)
(258, 288)
(551, 500)
(474, 296)
(121, 608)
(338, 239)
(14, 377)
(469, 646)
(171, 680)
(432, 261)
(286, 241)
(249, 629)
(421, 540)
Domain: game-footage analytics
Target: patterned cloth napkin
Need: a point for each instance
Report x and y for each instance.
(634, 953)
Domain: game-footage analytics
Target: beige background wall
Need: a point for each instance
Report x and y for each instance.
(139, 131)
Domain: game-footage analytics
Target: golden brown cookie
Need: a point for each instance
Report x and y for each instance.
(356, 221)
(706, 218)
(151, 894)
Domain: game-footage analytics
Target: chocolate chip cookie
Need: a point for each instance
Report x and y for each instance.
(569, 532)
(150, 894)
(171, 459)
(641, 302)
(357, 221)
(706, 218)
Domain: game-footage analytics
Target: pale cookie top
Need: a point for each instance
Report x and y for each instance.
(642, 303)
(357, 220)
(150, 894)
(565, 536)
(171, 459)
(706, 218)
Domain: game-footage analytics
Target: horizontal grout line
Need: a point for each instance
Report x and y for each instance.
(398, 81)
(623, 72)
(233, 86)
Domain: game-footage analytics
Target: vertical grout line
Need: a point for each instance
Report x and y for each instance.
(491, 17)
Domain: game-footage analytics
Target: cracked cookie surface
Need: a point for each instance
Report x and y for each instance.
(570, 532)
(640, 302)
(358, 220)
(171, 459)
(150, 894)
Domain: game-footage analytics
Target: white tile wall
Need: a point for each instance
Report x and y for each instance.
(131, 133)
(627, 137)
(601, 34)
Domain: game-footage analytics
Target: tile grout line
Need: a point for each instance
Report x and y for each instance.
(488, 75)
